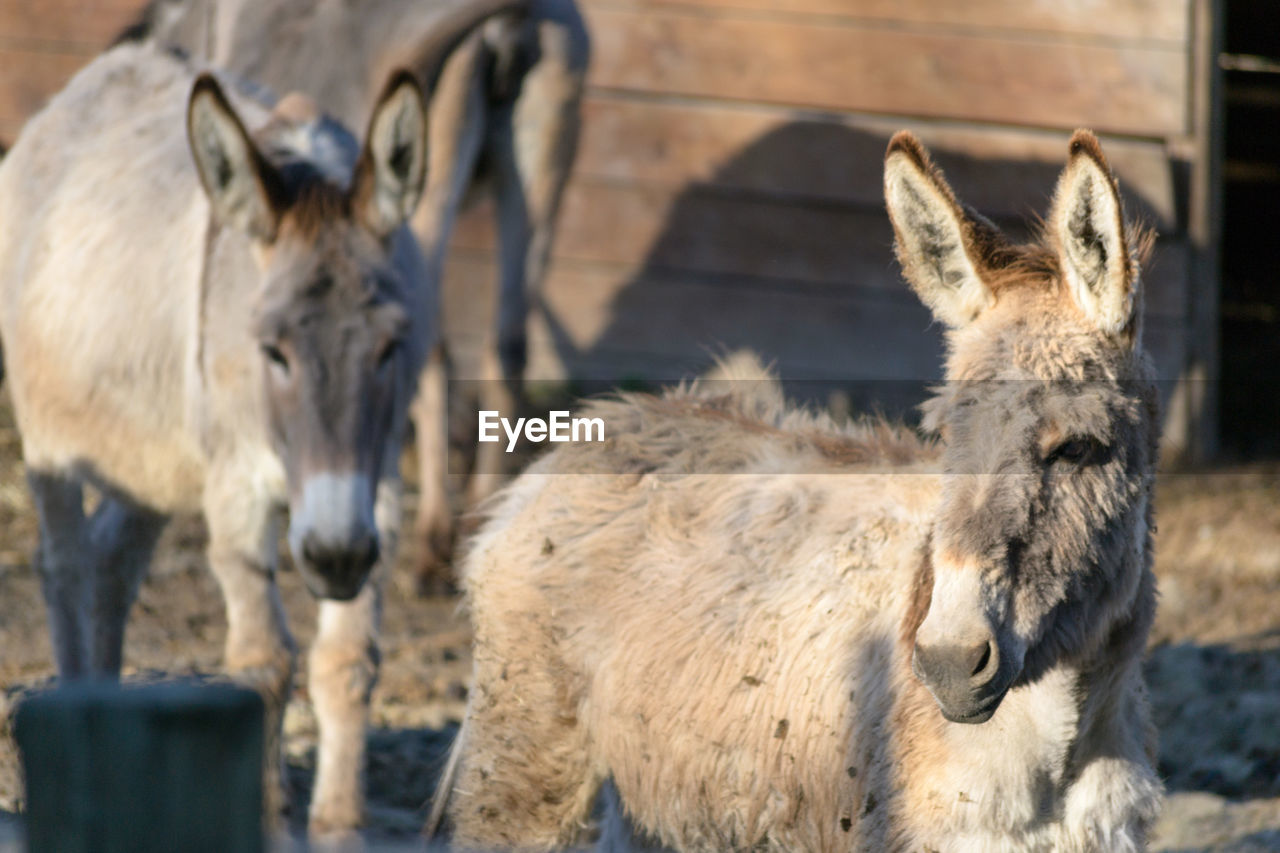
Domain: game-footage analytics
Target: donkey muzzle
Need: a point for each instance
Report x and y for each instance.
(966, 680)
(338, 570)
(333, 536)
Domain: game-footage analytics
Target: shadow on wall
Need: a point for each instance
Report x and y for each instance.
(785, 249)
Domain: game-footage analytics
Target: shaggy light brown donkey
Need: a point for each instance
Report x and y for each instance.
(776, 633)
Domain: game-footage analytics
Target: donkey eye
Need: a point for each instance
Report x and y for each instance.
(1073, 451)
(276, 356)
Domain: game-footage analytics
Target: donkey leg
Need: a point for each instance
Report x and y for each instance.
(504, 350)
(123, 537)
(342, 669)
(434, 525)
(533, 147)
(617, 832)
(65, 562)
(455, 131)
(259, 652)
(526, 778)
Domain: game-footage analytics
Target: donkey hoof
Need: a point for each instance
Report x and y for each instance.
(321, 839)
(432, 569)
(330, 833)
(433, 579)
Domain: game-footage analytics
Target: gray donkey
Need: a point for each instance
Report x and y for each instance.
(211, 304)
(504, 113)
(777, 633)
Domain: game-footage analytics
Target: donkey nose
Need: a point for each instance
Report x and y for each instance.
(960, 667)
(341, 560)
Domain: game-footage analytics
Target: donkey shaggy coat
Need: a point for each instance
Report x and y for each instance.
(773, 632)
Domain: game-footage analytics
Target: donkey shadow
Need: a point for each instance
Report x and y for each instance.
(1215, 709)
(785, 249)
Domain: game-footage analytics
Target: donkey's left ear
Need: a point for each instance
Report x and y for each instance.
(393, 165)
(1087, 221)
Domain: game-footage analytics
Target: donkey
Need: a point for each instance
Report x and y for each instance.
(228, 320)
(504, 115)
(864, 639)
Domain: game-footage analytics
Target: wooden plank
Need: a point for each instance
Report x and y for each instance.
(91, 25)
(703, 231)
(1199, 438)
(856, 337)
(1167, 282)
(792, 246)
(599, 317)
(32, 77)
(1156, 20)
(9, 129)
(1111, 88)
(1001, 171)
(1166, 342)
(593, 309)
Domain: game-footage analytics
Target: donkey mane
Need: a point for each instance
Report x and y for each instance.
(1036, 263)
(312, 159)
(863, 440)
(313, 202)
(753, 405)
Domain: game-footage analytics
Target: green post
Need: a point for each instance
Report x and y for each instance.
(164, 767)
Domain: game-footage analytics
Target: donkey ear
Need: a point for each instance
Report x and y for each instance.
(1088, 223)
(937, 243)
(393, 165)
(241, 185)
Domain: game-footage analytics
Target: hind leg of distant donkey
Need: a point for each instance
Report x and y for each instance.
(532, 146)
(456, 121)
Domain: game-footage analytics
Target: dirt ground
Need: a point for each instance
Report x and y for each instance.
(1214, 665)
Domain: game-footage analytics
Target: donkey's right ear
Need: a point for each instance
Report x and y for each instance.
(936, 242)
(241, 185)
(393, 165)
(1087, 219)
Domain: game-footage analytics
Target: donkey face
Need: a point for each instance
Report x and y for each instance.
(331, 317)
(1049, 424)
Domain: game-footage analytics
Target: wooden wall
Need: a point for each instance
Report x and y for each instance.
(44, 42)
(727, 190)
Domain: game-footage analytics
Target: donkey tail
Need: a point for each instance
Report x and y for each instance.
(448, 778)
(452, 28)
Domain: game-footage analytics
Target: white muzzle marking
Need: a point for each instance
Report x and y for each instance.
(337, 508)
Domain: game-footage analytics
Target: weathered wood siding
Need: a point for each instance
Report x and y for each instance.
(44, 42)
(727, 190)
